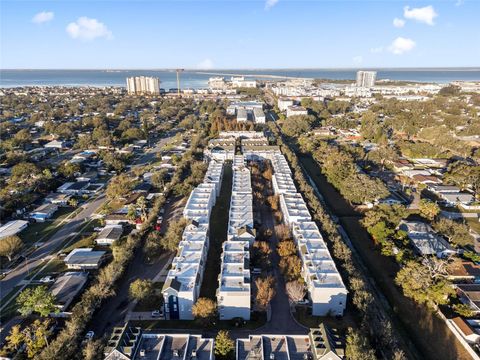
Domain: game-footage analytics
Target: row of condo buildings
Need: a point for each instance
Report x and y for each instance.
(326, 290)
(182, 286)
(234, 288)
(247, 110)
(130, 342)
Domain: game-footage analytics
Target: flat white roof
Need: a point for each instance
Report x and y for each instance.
(12, 228)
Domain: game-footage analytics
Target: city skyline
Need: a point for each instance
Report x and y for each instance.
(246, 35)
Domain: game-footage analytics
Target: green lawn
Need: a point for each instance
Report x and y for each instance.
(218, 234)
(86, 241)
(40, 231)
(53, 267)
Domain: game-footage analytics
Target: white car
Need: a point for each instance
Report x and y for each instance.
(46, 279)
(157, 313)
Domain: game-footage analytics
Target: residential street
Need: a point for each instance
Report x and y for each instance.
(20, 273)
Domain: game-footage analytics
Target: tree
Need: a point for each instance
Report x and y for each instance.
(142, 205)
(458, 233)
(286, 248)
(36, 337)
(423, 285)
(224, 344)
(15, 338)
(204, 308)
(291, 267)
(428, 209)
(357, 346)
(295, 291)
(73, 202)
(173, 235)
(297, 125)
(37, 299)
(265, 291)
(10, 245)
(119, 186)
(464, 310)
(140, 289)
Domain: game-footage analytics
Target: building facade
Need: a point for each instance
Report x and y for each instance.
(143, 85)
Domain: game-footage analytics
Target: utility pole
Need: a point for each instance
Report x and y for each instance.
(178, 80)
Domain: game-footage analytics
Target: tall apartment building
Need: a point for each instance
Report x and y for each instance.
(143, 85)
(366, 78)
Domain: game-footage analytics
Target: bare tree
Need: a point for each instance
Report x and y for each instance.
(282, 231)
(295, 291)
(265, 291)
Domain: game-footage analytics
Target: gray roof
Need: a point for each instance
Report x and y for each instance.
(84, 257)
(325, 340)
(425, 240)
(111, 233)
(67, 286)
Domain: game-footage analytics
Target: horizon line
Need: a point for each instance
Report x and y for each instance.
(437, 68)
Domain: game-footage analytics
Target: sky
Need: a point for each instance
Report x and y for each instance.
(136, 34)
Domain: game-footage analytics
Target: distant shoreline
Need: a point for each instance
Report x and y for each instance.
(197, 78)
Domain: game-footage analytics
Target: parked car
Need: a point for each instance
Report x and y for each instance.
(256, 271)
(157, 313)
(47, 279)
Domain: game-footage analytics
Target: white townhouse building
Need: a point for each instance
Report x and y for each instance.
(283, 183)
(284, 103)
(280, 164)
(182, 286)
(221, 149)
(234, 291)
(259, 116)
(214, 174)
(238, 162)
(294, 208)
(200, 203)
(240, 222)
(326, 290)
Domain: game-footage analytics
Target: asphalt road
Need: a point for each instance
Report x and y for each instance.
(20, 273)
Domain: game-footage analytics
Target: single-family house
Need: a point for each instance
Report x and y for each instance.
(43, 212)
(84, 259)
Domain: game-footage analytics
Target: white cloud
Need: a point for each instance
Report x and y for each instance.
(424, 15)
(87, 29)
(459, 3)
(401, 45)
(205, 64)
(398, 23)
(270, 3)
(43, 17)
(357, 59)
(376, 50)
